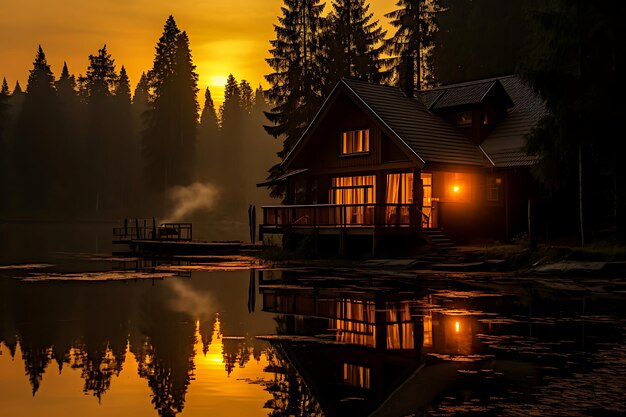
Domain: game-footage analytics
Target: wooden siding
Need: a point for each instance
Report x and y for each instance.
(322, 150)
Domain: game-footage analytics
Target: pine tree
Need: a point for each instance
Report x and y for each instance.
(66, 86)
(353, 43)
(100, 79)
(124, 162)
(5, 96)
(169, 133)
(139, 113)
(232, 141)
(97, 88)
(295, 92)
(73, 121)
(415, 25)
(247, 96)
(38, 137)
(209, 153)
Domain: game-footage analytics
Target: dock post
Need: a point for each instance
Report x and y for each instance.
(342, 243)
(374, 244)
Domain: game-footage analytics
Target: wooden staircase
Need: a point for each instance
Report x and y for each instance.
(437, 238)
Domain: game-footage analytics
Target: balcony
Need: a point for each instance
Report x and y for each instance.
(342, 216)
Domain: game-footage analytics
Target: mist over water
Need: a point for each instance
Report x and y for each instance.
(199, 305)
(193, 199)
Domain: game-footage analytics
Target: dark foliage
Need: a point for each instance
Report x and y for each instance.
(352, 44)
(576, 64)
(169, 133)
(415, 26)
(295, 91)
(480, 38)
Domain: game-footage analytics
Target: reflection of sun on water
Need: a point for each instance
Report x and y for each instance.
(214, 355)
(215, 392)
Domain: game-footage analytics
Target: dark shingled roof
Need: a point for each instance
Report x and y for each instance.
(505, 144)
(433, 139)
(462, 95)
(429, 136)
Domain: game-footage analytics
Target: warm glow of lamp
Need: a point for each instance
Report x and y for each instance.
(457, 326)
(456, 188)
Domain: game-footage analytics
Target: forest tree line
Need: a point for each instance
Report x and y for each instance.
(87, 146)
(118, 152)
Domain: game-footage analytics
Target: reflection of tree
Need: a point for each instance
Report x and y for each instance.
(291, 397)
(98, 367)
(206, 332)
(165, 354)
(36, 360)
(236, 351)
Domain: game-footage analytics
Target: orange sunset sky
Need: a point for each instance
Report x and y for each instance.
(227, 36)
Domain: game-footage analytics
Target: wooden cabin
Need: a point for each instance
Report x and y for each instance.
(396, 164)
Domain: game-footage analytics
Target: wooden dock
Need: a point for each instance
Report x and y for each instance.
(144, 237)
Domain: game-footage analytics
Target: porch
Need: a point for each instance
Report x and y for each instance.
(342, 220)
(343, 216)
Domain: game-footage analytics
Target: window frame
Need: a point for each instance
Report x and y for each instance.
(366, 143)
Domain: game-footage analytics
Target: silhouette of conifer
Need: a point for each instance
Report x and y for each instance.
(123, 162)
(352, 43)
(38, 135)
(169, 133)
(208, 152)
(415, 25)
(97, 87)
(295, 91)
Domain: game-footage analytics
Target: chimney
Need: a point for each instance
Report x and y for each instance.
(406, 75)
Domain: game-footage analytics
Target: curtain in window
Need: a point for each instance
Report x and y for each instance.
(355, 190)
(393, 197)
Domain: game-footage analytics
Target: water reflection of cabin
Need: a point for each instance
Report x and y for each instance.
(368, 345)
(381, 160)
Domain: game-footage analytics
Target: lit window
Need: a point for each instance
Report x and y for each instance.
(464, 118)
(355, 375)
(355, 141)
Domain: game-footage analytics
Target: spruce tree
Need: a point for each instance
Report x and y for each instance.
(232, 141)
(5, 95)
(73, 121)
(66, 86)
(139, 112)
(353, 43)
(247, 96)
(38, 137)
(97, 88)
(415, 24)
(208, 154)
(169, 133)
(295, 92)
(125, 159)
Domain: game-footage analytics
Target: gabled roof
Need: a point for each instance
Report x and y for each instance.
(432, 139)
(425, 135)
(429, 136)
(505, 144)
(464, 94)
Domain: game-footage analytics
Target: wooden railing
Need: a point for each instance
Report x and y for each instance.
(343, 215)
(146, 229)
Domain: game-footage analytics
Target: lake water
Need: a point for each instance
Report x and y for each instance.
(95, 336)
